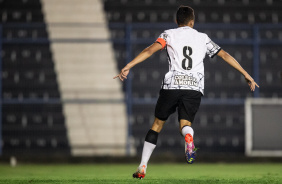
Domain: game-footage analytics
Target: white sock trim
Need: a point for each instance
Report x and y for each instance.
(187, 130)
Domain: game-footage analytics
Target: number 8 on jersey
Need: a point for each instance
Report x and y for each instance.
(187, 61)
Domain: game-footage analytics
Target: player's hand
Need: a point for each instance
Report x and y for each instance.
(251, 82)
(123, 74)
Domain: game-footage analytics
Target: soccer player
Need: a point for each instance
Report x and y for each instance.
(183, 84)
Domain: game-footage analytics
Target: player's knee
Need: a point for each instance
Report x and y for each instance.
(157, 125)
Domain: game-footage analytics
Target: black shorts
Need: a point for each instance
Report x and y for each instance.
(187, 102)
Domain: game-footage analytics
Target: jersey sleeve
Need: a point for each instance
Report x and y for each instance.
(212, 48)
(162, 39)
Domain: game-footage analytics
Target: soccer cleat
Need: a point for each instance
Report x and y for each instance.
(140, 173)
(190, 150)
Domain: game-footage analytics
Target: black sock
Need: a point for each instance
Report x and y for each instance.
(152, 137)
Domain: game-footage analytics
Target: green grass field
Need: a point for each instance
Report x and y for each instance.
(156, 173)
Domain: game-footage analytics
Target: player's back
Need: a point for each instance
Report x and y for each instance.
(186, 48)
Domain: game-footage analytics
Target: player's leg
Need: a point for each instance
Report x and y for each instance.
(183, 123)
(188, 133)
(166, 105)
(185, 128)
(157, 125)
(187, 109)
(151, 141)
(148, 148)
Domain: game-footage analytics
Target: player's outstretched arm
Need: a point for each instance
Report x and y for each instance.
(231, 61)
(146, 53)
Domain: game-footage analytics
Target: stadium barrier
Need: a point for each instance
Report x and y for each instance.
(254, 41)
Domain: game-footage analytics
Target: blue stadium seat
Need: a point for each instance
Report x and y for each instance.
(220, 128)
(19, 32)
(28, 73)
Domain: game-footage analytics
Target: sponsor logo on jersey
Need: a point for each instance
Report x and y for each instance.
(185, 80)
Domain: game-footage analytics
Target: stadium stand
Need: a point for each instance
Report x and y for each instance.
(85, 69)
(36, 79)
(28, 75)
(207, 11)
(219, 127)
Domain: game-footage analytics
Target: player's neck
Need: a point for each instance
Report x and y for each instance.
(185, 26)
(189, 24)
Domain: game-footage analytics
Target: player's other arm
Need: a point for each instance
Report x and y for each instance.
(231, 61)
(146, 53)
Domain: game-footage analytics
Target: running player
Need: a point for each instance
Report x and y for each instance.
(183, 85)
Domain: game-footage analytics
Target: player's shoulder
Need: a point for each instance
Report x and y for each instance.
(200, 33)
(169, 30)
(172, 30)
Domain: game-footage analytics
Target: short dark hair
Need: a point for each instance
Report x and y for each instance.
(184, 14)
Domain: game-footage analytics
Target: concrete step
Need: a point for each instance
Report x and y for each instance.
(78, 32)
(68, 87)
(92, 94)
(82, 48)
(98, 136)
(100, 110)
(88, 84)
(97, 123)
(85, 58)
(95, 69)
(99, 151)
(83, 62)
(70, 11)
(85, 71)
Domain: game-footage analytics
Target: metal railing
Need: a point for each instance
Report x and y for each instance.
(255, 41)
